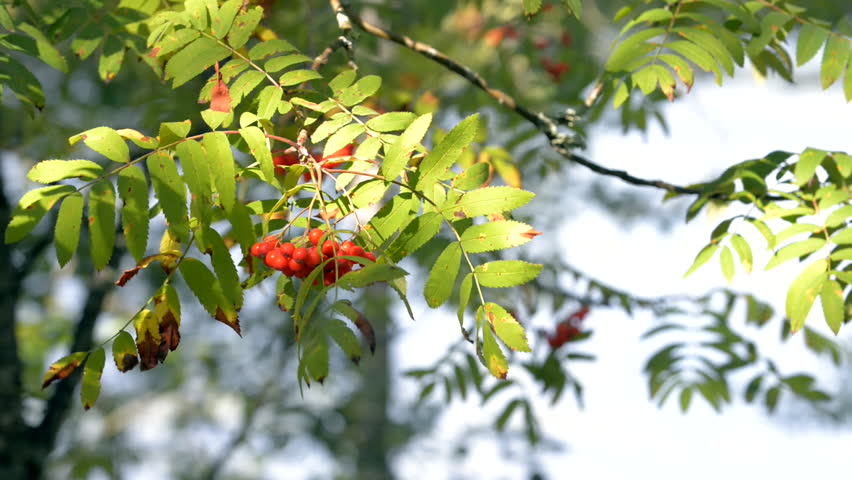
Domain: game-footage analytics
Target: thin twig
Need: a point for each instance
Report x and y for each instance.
(560, 142)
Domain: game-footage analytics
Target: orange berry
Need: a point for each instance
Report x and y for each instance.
(315, 236)
(275, 260)
(287, 249)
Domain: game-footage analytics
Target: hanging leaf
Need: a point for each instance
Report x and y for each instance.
(170, 191)
(31, 208)
(442, 276)
(831, 297)
(147, 338)
(422, 229)
(803, 291)
(506, 327)
(494, 358)
(344, 338)
(222, 167)
(133, 190)
(124, 352)
(67, 233)
(209, 292)
(62, 368)
(101, 222)
(90, 387)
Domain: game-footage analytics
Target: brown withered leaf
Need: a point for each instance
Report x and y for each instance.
(367, 331)
(148, 352)
(531, 233)
(127, 275)
(163, 258)
(128, 362)
(220, 97)
(169, 336)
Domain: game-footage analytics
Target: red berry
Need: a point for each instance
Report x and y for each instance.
(286, 270)
(329, 248)
(554, 342)
(313, 259)
(295, 266)
(345, 247)
(300, 254)
(369, 256)
(315, 236)
(287, 249)
(329, 278)
(356, 251)
(261, 248)
(275, 260)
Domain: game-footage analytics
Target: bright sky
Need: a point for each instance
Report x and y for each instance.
(621, 434)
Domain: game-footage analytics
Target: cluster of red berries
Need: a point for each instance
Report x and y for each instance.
(293, 261)
(567, 329)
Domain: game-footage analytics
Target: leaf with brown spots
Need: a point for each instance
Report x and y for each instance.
(62, 368)
(147, 338)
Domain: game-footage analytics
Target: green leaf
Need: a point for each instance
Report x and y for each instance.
(811, 38)
(171, 192)
(175, 40)
(803, 291)
(67, 233)
(50, 171)
(711, 44)
(795, 250)
(113, 55)
(23, 84)
(630, 49)
(173, 132)
(370, 274)
(808, 162)
(220, 24)
(493, 357)
(277, 64)
(101, 222)
(270, 47)
(268, 101)
(209, 292)
(358, 92)
(256, 140)
(296, 77)
(391, 121)
(685, 399)
(506, 273)
(575, 6)
(698, 56)
(842, 237)
(342, 138)
(831, 297)
(36, 44)
(834, 59)
(222, 167)
(105, 141)
(194, 59)
(442, 277)
(391, 217)
(472, 177)
(447, 152)
(224, 267)
(485, 201)
(133, 190)
(531, 7)
(422, 229)
(62, 368)
(771, 398)
(90, 386)
(491, 236)
(244, 85)
(244, 26)
(743, 251)
(345, 338)
(87, 40)
(31, 208)
(196, 173)
(753, 388)
(397, 155)
(314, 361)
(506, 327)
(6, 19)
(726, 261)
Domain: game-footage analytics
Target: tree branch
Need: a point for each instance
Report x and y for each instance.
(560, 142)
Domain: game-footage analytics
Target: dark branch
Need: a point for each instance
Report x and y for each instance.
(560, 142)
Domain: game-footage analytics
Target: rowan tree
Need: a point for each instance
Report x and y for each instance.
(314, 156)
